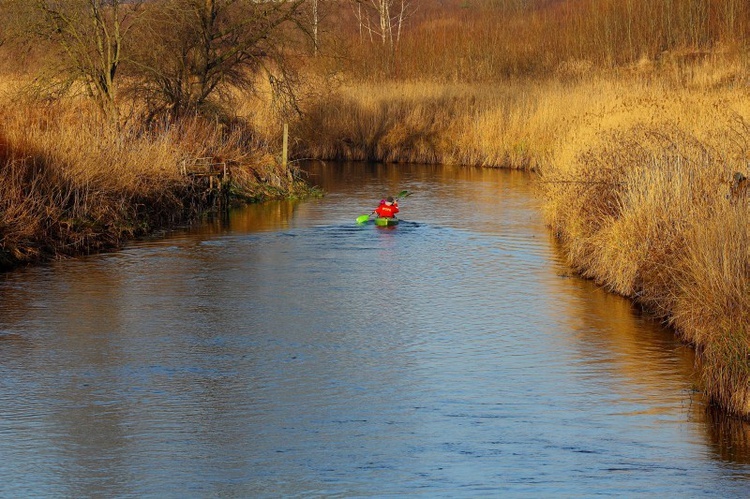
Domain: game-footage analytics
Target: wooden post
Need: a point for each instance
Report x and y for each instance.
(285, 152)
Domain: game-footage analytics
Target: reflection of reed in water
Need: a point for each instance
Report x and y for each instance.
(614, 335)
(730, 436)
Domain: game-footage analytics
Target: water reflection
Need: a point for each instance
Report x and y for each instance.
(729, 437)
(645, 355)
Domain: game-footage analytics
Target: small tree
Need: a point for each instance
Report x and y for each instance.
(382, 19)
(88, 36)
(382, 22)
(315, 22)
(196, 50)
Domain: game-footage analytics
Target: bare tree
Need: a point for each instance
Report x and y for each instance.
(382, 19)
(89, 37)
(315, 24)
(196, 50)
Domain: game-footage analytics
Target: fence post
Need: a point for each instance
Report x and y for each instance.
(285, 152)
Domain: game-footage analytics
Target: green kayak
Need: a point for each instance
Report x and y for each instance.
(385, 222)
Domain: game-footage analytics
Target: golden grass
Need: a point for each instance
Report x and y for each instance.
(69, 185)
(637, 192)
(713, 279)
(427, 123)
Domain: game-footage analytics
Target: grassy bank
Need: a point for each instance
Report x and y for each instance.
(639, 193)
(424, 122)
(69, 187)
(635, 168)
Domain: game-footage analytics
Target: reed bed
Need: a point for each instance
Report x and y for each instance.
(639, 196)
(422, 122)
(69, 185)
(516, 124)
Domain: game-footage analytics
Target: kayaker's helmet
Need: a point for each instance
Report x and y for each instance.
(389, 200)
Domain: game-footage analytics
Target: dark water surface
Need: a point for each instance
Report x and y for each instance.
(289, 352)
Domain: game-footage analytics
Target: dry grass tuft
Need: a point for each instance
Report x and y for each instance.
(428, 123)
(70, 186)
(639, 198)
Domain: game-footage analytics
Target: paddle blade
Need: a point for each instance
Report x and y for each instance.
(403, 194)
(362, 219)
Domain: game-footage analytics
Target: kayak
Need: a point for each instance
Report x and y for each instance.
(383, 221)
(386, 222)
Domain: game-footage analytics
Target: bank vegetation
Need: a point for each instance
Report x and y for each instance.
(108, 106)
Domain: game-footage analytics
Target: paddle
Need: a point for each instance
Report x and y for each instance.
(402, 194)
(364, 218)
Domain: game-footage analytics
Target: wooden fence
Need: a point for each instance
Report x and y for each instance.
(210, 167)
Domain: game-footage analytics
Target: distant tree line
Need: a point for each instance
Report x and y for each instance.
(487, 40)
(164, 59)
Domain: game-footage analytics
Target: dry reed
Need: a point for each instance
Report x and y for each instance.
(422, 122)
(70, 186)
(639, 199)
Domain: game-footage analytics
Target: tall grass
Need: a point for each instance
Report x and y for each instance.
(69, 186)
(432, 123)
(638, 198)
(714, 279)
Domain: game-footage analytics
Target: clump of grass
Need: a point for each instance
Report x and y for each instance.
(69, 186)
(68, 189)
(714, 279)
(422, 122)
(642, 208)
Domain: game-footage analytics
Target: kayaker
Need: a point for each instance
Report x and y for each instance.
(388, 209)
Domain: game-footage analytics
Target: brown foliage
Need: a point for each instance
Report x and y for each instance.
(489, 40)
(643, 210)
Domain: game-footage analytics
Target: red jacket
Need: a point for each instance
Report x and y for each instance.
(387, 211)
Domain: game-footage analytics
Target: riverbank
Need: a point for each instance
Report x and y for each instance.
(641, 197)
(635, 169)
(69, 187)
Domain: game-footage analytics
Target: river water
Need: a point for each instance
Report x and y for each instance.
(287, 351)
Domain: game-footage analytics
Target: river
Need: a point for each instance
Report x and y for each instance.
(286, 351)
